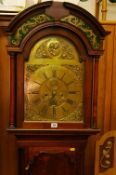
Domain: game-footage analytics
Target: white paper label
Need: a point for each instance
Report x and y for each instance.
(54, 125)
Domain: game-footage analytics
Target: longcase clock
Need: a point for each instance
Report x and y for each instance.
(54, 51)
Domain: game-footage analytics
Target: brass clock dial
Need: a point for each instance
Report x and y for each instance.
(53, 92)
(54, 79)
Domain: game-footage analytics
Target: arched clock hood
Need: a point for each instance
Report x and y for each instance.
(55, 34)
(56, 16)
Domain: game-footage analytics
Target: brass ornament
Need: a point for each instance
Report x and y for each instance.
(39, 19)
(86, 29)
(27, 26)
(54, 48)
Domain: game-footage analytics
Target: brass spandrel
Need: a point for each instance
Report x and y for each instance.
(55, 50)
(54, 82)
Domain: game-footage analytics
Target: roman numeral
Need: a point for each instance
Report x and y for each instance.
(69, 83)
(72, 92)
(36, 82)
(69, 101)
(33, 92)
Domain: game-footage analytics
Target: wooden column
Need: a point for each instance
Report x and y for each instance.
(12, 89)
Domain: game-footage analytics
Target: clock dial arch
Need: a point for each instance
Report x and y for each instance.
(54, 84)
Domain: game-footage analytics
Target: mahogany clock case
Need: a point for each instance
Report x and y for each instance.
(54, 52)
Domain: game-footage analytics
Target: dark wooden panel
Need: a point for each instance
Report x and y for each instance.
(4, 102)
(5, 20)
(7, 143)
(54, 161)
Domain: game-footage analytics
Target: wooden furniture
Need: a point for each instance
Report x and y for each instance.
(105, 154)
(54, 50)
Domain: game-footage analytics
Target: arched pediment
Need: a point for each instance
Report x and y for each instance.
(52, 15)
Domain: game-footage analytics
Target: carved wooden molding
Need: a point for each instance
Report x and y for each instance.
(46, 157)
(106, 154)
(73, 17)
(27, 26)
(105, 157)
(5, 20)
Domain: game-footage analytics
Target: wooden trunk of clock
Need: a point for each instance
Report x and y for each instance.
(52, 152)
(54, 51)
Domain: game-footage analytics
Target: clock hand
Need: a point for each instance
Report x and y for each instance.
(36, 82)
(33, 92)
(74, 92)
(53, 101)
(54, 110)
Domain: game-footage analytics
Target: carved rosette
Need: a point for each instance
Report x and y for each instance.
(106, 155)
